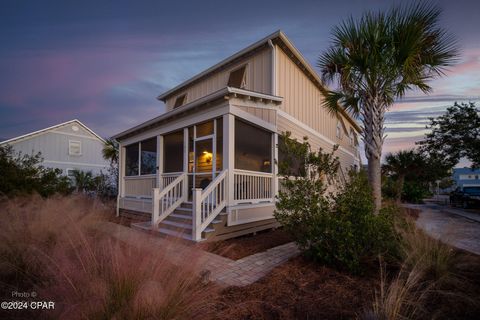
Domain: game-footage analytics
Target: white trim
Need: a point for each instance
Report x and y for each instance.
(42, 131)
(77, 163)
(180, 124)
(253, 119)
(314, 132)
(75, 135)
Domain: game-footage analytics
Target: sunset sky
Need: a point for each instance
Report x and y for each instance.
(104, 62)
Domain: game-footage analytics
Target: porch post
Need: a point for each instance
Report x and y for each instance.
(229, 154)
(196, 214)
(275, 165)
(159, 161)
(185, 160)
(121, 175)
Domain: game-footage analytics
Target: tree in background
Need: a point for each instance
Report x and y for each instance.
(455, 135)
(23, 174)
(83, 181)
(110, 151)
(399, 165)
(378, 59)
(412, 173)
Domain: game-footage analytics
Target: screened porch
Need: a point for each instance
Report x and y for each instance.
(243, 151)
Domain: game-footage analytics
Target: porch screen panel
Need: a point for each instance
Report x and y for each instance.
(131, 160)
(253, 148)
(148, 156)
(173, 152)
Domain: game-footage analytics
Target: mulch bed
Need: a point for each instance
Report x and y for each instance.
(241, 247)
(299, 289)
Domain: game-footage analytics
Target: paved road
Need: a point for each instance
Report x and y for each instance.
(457, 227)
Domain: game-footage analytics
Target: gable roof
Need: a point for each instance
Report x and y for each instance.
(279, 38)
(38, 132)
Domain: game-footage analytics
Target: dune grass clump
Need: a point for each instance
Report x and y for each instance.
(54, 247)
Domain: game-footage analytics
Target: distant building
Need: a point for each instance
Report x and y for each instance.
(466, 177)
(67, 146)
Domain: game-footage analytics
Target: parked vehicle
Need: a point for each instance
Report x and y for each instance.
(465, 196)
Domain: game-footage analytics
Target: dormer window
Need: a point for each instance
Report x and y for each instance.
(237, 77)
(180, 101)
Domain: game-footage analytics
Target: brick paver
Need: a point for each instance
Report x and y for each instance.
(222, 270)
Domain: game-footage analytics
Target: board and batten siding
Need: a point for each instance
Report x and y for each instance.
(345, 156)
(54, 148)
(258, 79)
(303, 100)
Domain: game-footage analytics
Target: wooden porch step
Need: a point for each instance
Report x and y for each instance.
(175, 233)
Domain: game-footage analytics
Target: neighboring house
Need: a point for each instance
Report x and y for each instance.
(67, 146)
(466, 177)
(219, 136)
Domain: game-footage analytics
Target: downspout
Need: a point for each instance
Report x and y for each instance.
(273, 75)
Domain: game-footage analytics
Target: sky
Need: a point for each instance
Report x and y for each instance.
(105, 62)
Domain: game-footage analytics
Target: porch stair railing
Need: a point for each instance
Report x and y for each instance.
(208, 203)
(166, 200)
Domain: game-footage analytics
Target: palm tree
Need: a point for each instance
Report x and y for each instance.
(110, 151)
(83, 180)
(376, 60)
(401, 164)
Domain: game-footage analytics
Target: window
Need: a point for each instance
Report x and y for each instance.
(253, 148)
(351, 137)
(70, 173)
(339, 129)
(131, 160)
(237, 78)
(74, 148)
(148, 156)
(173, 152)
(180, 101)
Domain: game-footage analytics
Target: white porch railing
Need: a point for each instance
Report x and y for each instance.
(139, 186)
(252, 186)
(166, 200)
(167, 178)
(207, 204)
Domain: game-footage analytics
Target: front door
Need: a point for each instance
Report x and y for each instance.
(203, 172)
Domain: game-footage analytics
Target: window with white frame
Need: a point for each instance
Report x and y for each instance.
(339, 129)
(74, 148)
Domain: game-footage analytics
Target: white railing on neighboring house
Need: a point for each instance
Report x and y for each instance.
(167, 178)
(139, 186)
(208, 203)
(166, 200)
(252, 186)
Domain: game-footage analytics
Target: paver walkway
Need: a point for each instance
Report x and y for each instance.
(222, 270)
(449, 226)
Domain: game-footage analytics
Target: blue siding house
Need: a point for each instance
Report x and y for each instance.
(466, 177)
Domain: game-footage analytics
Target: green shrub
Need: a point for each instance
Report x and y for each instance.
(414, 191)
(335, 229)
(23, 174)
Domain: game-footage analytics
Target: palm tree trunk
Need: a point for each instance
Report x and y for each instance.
(375, 180)
(373, 118)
